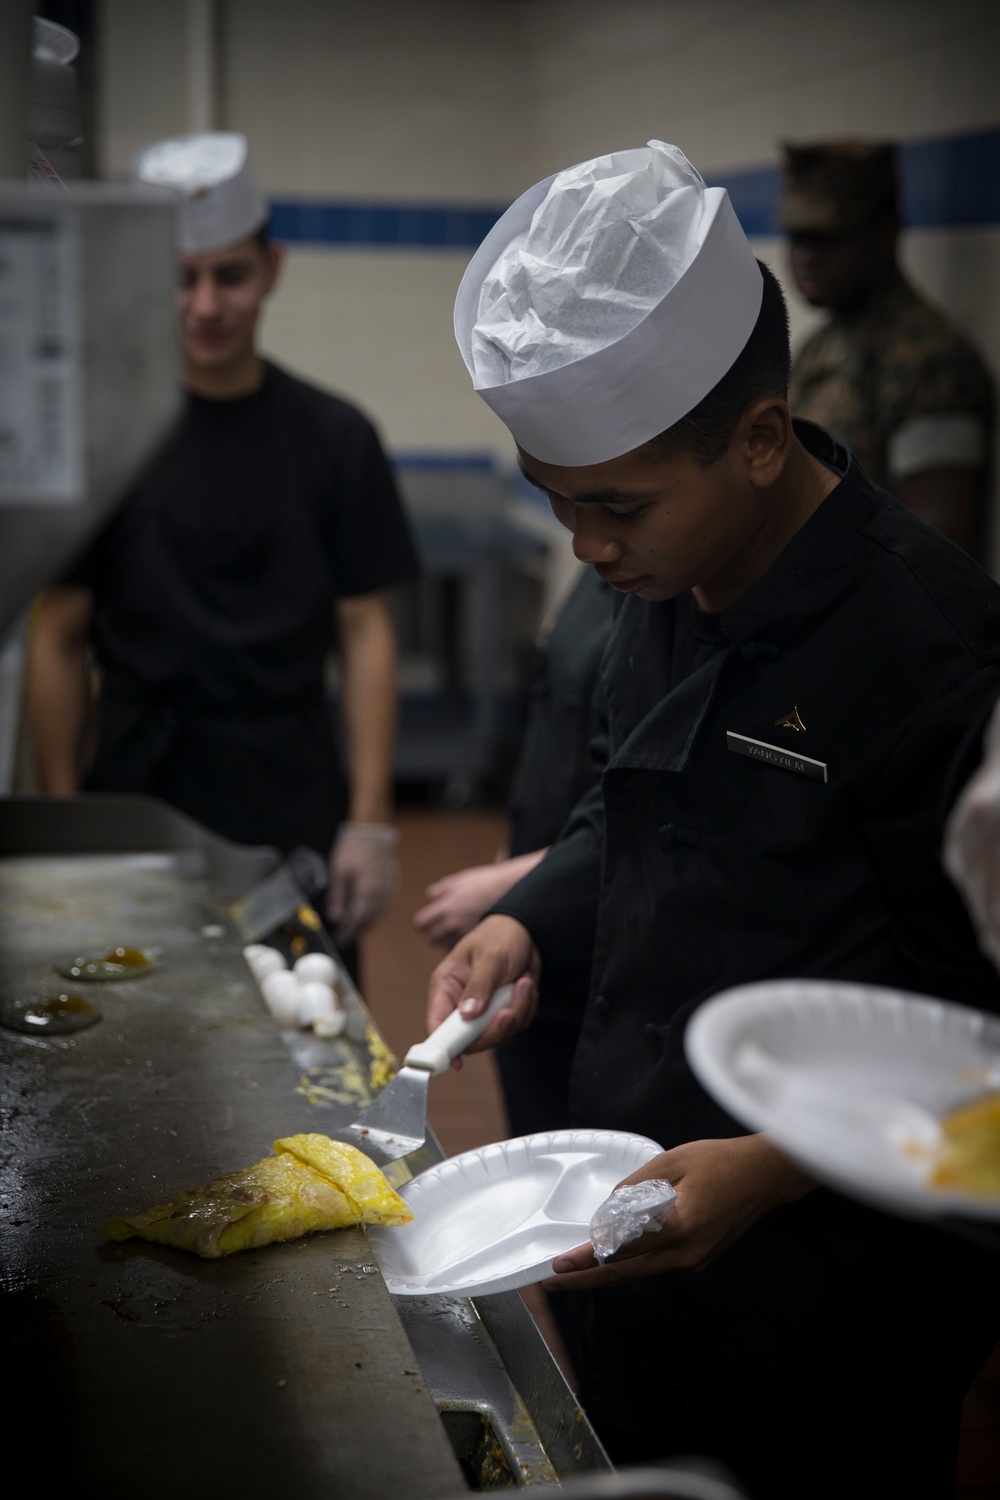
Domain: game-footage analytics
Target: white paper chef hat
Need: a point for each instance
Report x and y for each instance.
(219, 202)
(605, 303)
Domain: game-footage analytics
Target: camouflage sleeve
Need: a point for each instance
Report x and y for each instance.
(928, 370)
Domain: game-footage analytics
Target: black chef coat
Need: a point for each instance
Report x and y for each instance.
(555, 768)
(215, 585)
(690, 868)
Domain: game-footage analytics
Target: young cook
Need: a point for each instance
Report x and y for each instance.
(268, 523)
(789, 680)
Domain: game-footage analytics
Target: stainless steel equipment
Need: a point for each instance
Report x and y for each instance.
(88, 381)
(287, 1369)
(669, 1482)
(395, 1123)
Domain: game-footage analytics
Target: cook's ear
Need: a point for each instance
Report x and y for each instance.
(764, 434)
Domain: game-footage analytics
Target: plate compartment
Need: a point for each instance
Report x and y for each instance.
(494, 1219)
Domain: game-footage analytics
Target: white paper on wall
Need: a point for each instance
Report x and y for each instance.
(41, 428)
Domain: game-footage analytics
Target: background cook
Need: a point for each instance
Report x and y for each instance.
(270, 516)
(789, 680)
(888, 373)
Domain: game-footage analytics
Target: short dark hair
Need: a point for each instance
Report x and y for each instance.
(761, 369)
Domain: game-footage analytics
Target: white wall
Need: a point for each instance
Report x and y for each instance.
(470, 101)
(377, 326)
(410, 100)
(728, 79)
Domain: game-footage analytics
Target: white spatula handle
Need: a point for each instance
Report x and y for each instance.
(454, 1035)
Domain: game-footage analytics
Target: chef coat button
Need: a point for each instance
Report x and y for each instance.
(668, 835)
(651, 1034)
(602, 1005)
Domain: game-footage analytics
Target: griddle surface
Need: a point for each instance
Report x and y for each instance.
(138, 1369)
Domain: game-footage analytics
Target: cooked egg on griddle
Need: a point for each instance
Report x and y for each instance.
(310, 1183)
(119, 962)
(50, 1015)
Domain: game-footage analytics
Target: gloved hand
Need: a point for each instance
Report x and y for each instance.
(972, 843)
(362, 876)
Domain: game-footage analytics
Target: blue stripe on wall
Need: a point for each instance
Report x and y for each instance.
(952, 181)
(385, 225)
(943, 184)
(755, 194)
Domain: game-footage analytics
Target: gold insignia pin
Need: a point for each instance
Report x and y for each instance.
(791, 721)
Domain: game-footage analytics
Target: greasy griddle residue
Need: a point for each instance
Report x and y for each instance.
(351, 1080)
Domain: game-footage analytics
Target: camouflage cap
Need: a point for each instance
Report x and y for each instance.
(833, 187)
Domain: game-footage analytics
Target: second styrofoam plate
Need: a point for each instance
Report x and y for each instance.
(495, 1219)
(850, 1080)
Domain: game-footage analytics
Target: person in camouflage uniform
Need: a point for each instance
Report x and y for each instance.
(888, 374)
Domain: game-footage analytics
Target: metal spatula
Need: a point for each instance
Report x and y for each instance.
(395, 1123)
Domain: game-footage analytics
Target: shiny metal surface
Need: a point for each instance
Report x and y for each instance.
(679, 1481)
(283, 1370)
(287, 1366)
(113, 823)
(486, 1356)
(118, 332)
(481, 1359)
(395, 1124)
(465, 1374)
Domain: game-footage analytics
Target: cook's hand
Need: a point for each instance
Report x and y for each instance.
(723, 1187)
(972, 844)
(498, 951)
(362, 876)
(458, 901)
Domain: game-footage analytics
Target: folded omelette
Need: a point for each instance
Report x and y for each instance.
(309, 1183)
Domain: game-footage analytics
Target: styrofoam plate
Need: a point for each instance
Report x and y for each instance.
(850, 1080)
(495, 1219)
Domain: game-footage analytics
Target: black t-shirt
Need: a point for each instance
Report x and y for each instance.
(215, 584)
(216, 579)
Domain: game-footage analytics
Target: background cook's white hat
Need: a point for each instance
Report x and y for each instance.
(219, 202)
(606, 303)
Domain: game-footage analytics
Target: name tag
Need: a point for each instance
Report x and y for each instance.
(776, 755)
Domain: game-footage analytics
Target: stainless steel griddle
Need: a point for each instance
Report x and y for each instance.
(286, 1370)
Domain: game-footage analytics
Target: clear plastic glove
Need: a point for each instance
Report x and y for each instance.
(630, 1211)
(723, 1187)
(972, 843)
(363, 876)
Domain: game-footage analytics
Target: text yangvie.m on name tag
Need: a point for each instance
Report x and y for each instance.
(776, 755)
